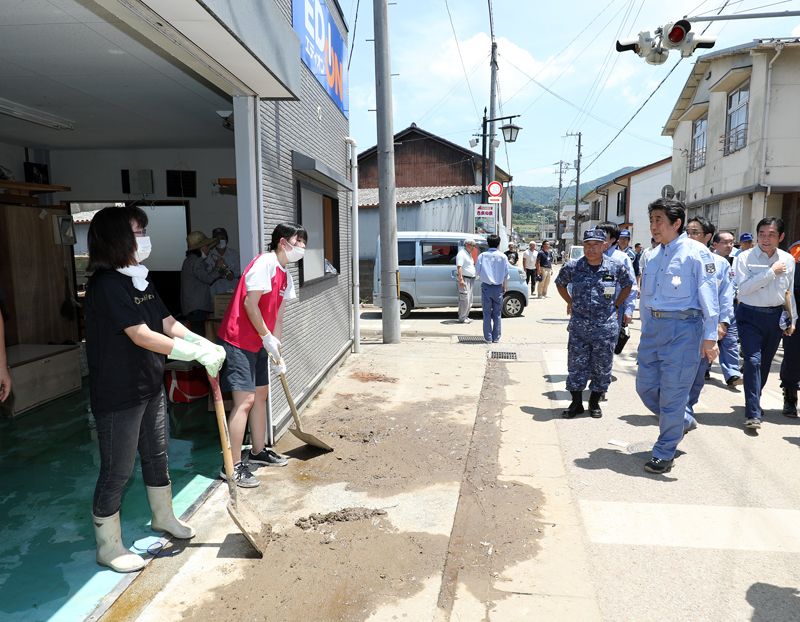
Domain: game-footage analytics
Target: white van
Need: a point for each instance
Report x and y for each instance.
(428, 275)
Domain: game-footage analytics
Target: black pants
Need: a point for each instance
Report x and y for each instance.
(530, 276)
(120, 434)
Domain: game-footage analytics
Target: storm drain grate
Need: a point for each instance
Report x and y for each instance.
(470, 339)
(506, 356)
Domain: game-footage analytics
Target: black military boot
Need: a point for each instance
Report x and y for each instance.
(576, 408)
(789, 402)
(594, 405)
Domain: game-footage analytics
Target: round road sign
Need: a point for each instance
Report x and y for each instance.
(495, 189)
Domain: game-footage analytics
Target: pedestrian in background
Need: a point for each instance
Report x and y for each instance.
(511, 254)
(196, 279)
(593, 329)
(492, 269)
(544, 268)
(637, 251)
(623, 244)
(722, 243)
(680, 317)
(702, 231)
(612, 252)
(529, 263)
(465, 267)
(746, 242)
(231, 268)
(764, 274)
(790, 366)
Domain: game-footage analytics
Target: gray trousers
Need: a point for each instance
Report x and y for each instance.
(465, 298)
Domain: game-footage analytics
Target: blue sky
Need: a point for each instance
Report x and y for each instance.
(568, 46)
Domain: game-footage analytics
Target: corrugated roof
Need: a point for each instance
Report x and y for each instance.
(368, 197)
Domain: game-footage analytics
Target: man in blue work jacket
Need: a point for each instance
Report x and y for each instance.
(492, 269)
(701, 230)
(599, 288)
(680, 316)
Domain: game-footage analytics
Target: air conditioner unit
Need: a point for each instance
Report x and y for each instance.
(137, 181)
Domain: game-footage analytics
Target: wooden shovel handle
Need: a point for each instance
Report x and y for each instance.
(222, 423)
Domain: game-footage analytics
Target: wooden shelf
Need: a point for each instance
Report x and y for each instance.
(26, 189)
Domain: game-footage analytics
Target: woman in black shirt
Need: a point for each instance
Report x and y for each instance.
(128, 332)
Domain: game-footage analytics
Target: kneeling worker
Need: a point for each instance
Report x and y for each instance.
(593, 327)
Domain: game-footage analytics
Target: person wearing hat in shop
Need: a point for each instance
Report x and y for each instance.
(196, 278)
(790, 366)
(746, 242)
(765, 279)
(231, 266)
(600, 287)
(511, 254)
(128, 333)
(680, 318)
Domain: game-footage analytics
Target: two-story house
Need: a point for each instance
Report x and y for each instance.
(736, 133)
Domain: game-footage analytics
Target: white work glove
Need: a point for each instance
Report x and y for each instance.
(272, 345)
(209, 356)
(198, 340)
(278, 367)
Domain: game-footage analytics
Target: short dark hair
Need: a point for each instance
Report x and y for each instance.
(493, 240)
(718, 236)
(772, 220)
(673, 210)
(705, 223)
(545, 242)
(637, 245)
(112, 244)
(287, 230)
(611, 228)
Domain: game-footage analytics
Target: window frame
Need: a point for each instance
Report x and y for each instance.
(622, 202)
(735, 138)
(331, 246)
(697, 156)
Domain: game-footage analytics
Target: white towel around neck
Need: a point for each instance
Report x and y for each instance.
(139, 275)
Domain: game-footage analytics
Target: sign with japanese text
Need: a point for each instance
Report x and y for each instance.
(322, 49)
(486, 218)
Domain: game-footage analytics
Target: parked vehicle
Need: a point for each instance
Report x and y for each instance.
(428, 275)
(576, 252)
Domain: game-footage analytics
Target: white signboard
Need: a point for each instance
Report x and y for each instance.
(486, 218)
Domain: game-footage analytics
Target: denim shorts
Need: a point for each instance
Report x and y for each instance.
(243, 370)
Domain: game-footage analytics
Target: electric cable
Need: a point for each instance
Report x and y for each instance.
(353, 36)
(458, 47)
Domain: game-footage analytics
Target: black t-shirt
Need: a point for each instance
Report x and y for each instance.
(122, 374)
(513, 258)
(544, 259)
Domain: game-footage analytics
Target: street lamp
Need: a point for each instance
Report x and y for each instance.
(510, 132)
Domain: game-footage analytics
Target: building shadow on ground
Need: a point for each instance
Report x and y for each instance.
(772, 603)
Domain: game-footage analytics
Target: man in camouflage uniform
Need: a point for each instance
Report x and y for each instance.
(593, 328)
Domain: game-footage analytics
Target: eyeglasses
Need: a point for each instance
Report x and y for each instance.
(140, 232)
(694, 232)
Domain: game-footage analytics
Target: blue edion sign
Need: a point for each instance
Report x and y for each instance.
(322, 48)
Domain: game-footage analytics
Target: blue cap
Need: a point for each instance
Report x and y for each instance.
(746, 237)
(624, 233)
(594, 234)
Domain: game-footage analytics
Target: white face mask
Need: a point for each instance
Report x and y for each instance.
(222, 244)
(143, 248)
(203, 255)
(295, 253)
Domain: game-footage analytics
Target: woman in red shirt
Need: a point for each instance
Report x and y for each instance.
(252, 328)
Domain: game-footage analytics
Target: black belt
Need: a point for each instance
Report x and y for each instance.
(679, 315)
(762, 309)
(469, 277)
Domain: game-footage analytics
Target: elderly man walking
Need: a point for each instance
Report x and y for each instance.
(465, 266)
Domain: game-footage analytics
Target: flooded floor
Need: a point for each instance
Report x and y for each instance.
(49, 462)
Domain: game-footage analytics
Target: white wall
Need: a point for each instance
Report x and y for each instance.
(646, 188)
(95, 176)
(12, 157)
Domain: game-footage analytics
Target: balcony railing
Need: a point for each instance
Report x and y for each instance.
(697, 159)
(734, 139)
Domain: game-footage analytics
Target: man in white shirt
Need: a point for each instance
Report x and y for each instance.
(465, 265)
(529, 263)
(765, 279)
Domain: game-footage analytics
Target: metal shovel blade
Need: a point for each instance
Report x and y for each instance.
(244, 514)
(308, 439)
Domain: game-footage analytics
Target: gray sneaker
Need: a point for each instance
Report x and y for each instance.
(753, 423)
(241, 475)
(266, 457)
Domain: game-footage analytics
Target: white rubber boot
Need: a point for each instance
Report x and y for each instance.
(110, 550)
(163, 515)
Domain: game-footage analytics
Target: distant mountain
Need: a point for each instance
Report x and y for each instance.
(548, 195)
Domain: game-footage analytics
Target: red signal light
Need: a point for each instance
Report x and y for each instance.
(677, 34)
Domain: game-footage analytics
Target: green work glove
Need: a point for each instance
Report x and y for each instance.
(197, 339)
(211, 357)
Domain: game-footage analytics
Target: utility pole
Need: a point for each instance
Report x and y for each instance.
(577, 187)
(492, 111)
(563, 167)
(390, 295)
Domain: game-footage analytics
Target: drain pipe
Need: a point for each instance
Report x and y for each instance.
(356, 275)
(779, 48)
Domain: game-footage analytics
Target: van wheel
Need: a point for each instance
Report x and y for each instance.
(405, 306)
(513, 304)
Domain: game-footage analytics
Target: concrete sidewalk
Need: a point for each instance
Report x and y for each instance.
(453, 459)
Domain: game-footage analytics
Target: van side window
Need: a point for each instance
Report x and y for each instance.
(439, 254)
(406, 253)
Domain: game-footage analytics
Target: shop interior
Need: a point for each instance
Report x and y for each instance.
(92, 113)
